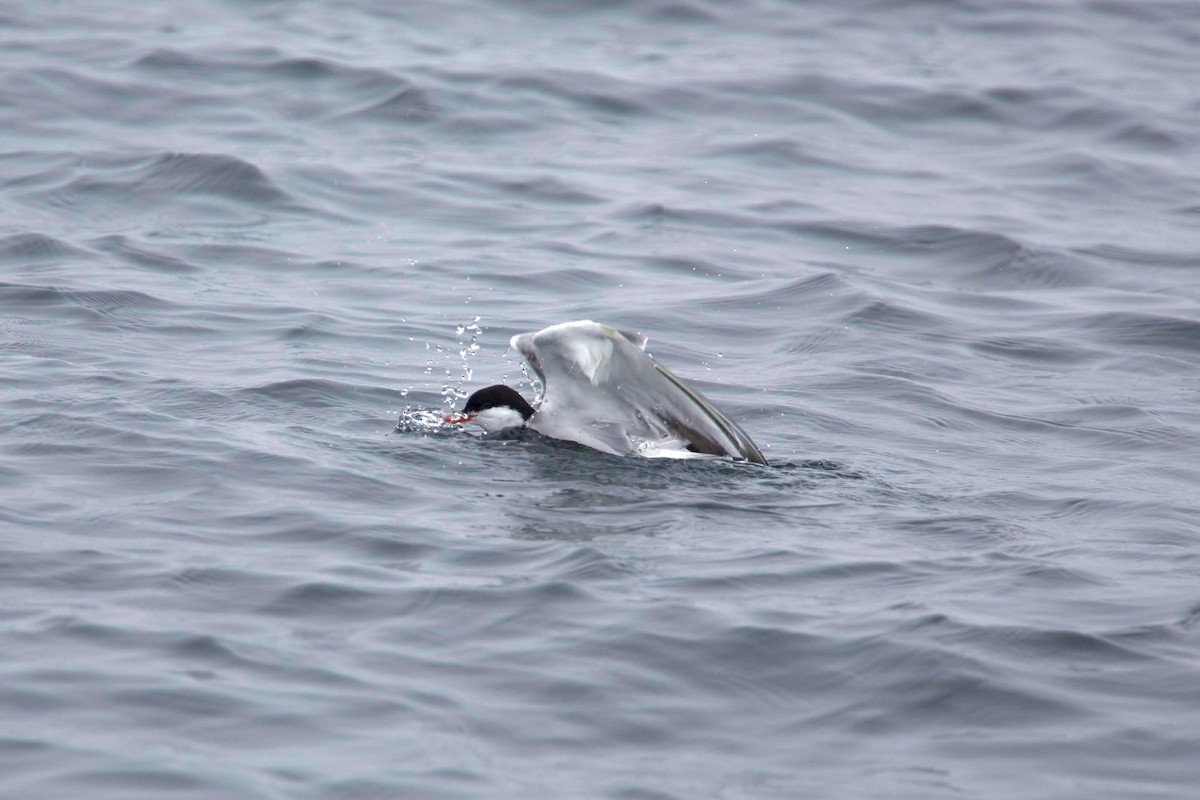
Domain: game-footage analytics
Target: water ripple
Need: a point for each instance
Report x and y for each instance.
(936, 257)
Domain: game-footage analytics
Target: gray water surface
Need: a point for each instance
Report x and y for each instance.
(940, 259)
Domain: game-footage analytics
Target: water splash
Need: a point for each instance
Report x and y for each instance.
(530, 379)
(468, 346)
(421, 419)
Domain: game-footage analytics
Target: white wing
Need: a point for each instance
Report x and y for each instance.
(600, 389)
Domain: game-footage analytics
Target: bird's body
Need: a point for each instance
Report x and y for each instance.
(602, 390)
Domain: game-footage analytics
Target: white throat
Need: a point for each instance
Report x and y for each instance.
(498, 418)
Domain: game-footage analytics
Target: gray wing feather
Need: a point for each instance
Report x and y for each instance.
(698, 437)
(595, 377)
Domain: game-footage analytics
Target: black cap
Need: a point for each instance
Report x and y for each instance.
(498, 396)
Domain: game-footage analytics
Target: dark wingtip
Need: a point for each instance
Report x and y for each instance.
(743, 445)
